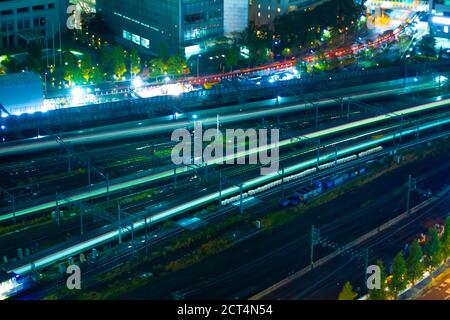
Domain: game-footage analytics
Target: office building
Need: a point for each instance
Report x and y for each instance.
(264, 12)
(22, 21)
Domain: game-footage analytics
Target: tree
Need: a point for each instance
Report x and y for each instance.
(232, 57)
(105, 60)
(97, 76)
(71, 69)
(414, 264)
(12, 65)
(258, 43)
(347, 292)
(34, 60)
(433, 249)
(163, 52)
(286, 53)
(427, 45)
(118, 60)
(135, 62)
(87, 67)
(399, 280)
(445, 240)
(158, 67)
(380, 294)
(176, 65)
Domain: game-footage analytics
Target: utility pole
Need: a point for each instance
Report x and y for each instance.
(120, 223)
(81, 219)
(315, 239)
(241, 209)
(318, 153)
(335, 159)
(89, 173)
(412, 185)
(57, 209)
(220, 188)
(175, 177)
(107, 186)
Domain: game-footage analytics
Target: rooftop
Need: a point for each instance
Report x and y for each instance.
(18, 78)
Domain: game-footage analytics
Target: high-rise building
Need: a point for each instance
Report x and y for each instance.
(264, 12)
(440, 18)
(236, 16)
(22, 21)
(179, 25)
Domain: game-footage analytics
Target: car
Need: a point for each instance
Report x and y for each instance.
(254, 78)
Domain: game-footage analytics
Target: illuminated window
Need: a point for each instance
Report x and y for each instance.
(136, 39)
(126, 35)
(145, 43)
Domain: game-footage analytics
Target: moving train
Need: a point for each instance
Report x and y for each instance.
(12, 284)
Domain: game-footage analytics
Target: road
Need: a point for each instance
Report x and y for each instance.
(439, 291)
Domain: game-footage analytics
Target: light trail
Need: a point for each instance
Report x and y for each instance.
(166, 174)
(112, 133)
(109, 236)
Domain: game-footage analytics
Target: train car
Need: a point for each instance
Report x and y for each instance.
(12, 284)
(339, 180)
(307, 193)
(328, 184)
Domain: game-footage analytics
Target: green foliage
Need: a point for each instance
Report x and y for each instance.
(232, 57)
(34, 60)
(433, 249)
(380, 294)
(173, 66)
(414, 264)
(445, 240)
(135, 62)
(87, 67)
(304, 28)
(12, 65)
(258, 42)
(176, 65)
(399, 280)
(113, 61)
(347, 292)
(427, 45)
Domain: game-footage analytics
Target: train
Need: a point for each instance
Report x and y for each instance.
(11, 284)
(306, 194)
(303, 174)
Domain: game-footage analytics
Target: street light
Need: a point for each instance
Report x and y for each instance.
(276, 42)
(198, 64)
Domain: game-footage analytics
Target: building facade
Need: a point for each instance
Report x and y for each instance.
(22, 21)
(264, 12)
(236, 16)
(179, 25)
(440, 18)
